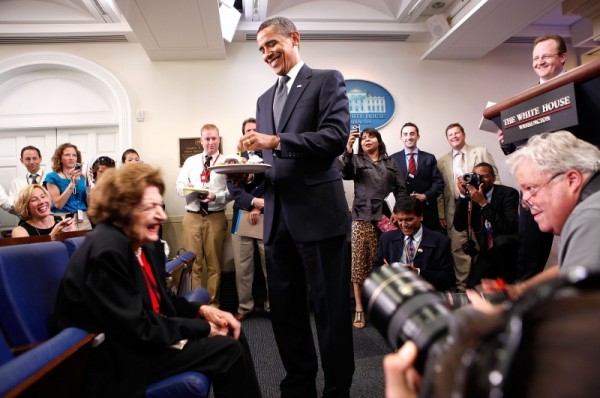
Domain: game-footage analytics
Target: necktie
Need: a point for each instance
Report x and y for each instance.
(459, 162)
(279, 99)
(412, 165)
(34, 178)
(489, 234)
(459, 165)
(207, 160)
(410, 250)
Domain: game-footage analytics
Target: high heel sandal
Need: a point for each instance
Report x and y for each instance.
(359, 320)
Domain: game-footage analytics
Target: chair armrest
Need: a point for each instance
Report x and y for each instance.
(22, 372)
(198, 295)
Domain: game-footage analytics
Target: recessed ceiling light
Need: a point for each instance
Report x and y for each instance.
(438, 4)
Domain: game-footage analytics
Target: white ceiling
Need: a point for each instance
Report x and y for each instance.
(191, 29)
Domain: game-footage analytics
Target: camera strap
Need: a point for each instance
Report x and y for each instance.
(469, 214)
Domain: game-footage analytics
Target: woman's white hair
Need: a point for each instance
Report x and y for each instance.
(557, 152)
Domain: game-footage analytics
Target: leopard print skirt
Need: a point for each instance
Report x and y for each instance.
(365, 240)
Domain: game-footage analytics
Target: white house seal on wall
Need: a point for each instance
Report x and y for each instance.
(370, 104)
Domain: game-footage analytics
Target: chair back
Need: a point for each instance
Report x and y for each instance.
(178, 271)
(5, 353)
(73, 244)
(29, 279)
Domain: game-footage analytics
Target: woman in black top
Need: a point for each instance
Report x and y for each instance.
(33, 208)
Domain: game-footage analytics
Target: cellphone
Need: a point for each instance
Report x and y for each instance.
(70, 215)
(77, 166)
(356, 127)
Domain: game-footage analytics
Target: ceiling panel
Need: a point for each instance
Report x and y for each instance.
(190, 29)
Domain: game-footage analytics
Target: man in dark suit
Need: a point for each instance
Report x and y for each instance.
(430, 256)
(548, 60)
(489, 213)
(305, 214)
(425, 181)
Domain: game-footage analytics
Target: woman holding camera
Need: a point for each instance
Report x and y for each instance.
(375, 175)
(67, 184)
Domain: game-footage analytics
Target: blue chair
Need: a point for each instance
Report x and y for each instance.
(30, 276)
(73, 244)
(178, 271)
(198, 295)
(29, 279)
(35, 371)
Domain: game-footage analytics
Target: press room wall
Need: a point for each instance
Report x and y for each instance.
(178, 97)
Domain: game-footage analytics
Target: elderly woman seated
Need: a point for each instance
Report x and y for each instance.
(115, 284)
(33, 208)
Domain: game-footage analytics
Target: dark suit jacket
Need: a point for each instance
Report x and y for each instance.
(313, 129)
(433, 257)
(243, 195)
(502, 213)
(428, 181)
(104, 290)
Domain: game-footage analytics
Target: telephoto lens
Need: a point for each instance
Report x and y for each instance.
(403, 306)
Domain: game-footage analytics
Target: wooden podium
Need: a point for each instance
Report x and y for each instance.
(531, 107)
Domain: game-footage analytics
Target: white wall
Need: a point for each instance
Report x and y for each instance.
(179, 97)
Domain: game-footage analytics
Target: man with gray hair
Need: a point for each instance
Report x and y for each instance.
(559, 176)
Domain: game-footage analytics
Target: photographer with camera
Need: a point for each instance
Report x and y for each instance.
(460, 159)
(508, 351)
(489, 213)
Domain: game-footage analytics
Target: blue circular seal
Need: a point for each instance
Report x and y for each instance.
(370, 104)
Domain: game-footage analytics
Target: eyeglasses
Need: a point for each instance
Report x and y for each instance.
(534, 191)
(544, 57)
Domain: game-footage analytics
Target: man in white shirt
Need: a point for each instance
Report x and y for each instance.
(31, 158)
(205, 225)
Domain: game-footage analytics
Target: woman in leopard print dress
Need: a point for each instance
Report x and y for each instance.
(375, 175)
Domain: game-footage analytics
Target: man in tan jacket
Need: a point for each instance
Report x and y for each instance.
(460, 160)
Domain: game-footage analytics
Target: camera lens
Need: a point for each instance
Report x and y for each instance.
(403, 306)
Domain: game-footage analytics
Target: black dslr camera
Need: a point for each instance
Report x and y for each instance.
(467, 353)
(403, 306)
(470, 248)
(473, 179)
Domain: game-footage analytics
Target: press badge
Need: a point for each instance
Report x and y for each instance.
(205, 176)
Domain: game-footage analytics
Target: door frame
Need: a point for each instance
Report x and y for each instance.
(110, 86)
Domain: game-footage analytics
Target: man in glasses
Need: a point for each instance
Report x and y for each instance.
(559, 176)
(548, 60)
(549, 56)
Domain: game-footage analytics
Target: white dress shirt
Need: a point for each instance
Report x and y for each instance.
(22, 181)
(190, 173)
